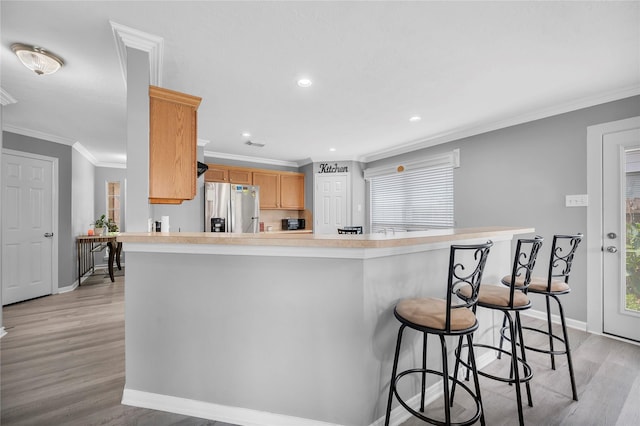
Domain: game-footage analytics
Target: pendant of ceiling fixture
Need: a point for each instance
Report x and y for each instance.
(37, 59)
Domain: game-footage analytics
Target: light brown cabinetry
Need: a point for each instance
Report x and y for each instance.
(241, 176)
(269, 184)
(173, 128)
(278, 189)
(292, 191)
(219, 173)
(216, 174)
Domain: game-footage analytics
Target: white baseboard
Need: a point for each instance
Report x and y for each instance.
(249, 417)
(207, 410)
(542, 315)
(69, 288)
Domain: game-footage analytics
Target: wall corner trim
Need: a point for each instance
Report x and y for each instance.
(130, 37)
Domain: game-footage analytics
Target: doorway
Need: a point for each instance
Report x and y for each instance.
(621, 226)
(29, 226)
(613, 164)
(332, 202)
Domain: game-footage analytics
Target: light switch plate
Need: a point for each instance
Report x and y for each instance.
(580, 200)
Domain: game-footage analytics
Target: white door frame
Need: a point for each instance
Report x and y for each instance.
(595, 233)
(54, 207)
(316, 203)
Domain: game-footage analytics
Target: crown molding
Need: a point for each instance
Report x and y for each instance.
(6, 98)
(38, 135)
(85, 153)
(130, 37)
(111, 165)
(203, 142)
(89, 156)
(259, 160)
(464, 132)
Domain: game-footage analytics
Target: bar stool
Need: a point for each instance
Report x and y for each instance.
(555, 284)
(443, 318)
(509, 300)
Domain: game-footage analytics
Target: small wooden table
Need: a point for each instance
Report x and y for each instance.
(89, 244)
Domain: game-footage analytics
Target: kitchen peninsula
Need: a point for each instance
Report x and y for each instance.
(282, 329)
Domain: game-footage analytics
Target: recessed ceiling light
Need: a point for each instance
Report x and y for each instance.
(415, 118)
(304, 82)
(246, 135)
(332, 149)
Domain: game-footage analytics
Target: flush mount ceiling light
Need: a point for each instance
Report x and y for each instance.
(415, 118)
(246, 135)
(304, 82)
(37, 59)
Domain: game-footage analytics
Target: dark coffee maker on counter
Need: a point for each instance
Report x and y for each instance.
(218, 224)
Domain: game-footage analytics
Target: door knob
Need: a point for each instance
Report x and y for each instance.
(612, 249)
(612, 235)
(48, 234)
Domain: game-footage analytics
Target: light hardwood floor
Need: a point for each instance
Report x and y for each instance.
(62, 363)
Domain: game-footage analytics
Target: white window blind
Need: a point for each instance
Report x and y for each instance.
(415, 199)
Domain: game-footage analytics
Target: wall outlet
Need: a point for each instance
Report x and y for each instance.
(580, 200)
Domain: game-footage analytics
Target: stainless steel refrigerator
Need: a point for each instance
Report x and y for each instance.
(231, 208)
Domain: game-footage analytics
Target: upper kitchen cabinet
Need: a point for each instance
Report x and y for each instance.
(216, 174)
(219, 173)
(280, 190)
(269, 183)
(292, 191)
(173, 126)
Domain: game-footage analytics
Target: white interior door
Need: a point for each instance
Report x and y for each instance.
(621, 227)
(27, 227)
(331, 202)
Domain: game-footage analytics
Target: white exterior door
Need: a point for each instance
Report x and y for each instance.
(331, 202)
(621, 229)
(27, 227)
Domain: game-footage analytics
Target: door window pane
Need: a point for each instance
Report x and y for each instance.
(632, 217)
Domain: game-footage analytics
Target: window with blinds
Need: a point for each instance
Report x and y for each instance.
(418, 198)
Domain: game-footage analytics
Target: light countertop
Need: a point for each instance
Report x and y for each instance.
(299, 239)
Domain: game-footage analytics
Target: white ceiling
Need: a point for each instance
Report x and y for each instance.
(464, 67)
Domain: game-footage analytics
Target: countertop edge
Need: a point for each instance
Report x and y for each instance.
(310, 245)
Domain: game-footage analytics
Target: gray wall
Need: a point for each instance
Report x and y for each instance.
(307, 169)
(66, 241)
(82, 193)
(82, 196)
(1, 137)
(519, 176)
(137, 192)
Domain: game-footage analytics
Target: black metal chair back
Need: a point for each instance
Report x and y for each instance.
(562, 251)
(466, 265)
(523, 263)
